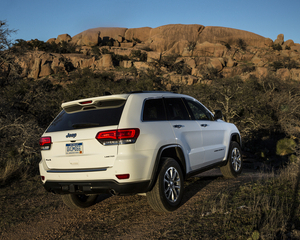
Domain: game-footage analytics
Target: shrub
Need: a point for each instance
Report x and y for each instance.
(192, 46)
(61, 47)
(276, 65)
(142, 56)
(209, 73)
(277, 47)
(284, 63)
(96, 51)
(105, 51)
(241, 44)
(147, 49)
(136, 40)
(248, 68)
(227, 46)
(285, 146)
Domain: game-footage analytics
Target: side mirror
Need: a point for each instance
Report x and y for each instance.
(218, 115)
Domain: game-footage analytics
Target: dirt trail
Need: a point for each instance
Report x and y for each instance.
(118, 217)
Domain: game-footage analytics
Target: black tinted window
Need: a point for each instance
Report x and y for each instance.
(198, 111)
(154, 110)
(176, 109)
(86, 119)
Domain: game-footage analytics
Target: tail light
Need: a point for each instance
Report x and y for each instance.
(45, 143)
(119, 136)
(123, 176)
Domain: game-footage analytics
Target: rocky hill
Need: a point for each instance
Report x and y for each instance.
(195, 52)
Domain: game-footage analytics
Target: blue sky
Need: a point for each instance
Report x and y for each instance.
(47, 19)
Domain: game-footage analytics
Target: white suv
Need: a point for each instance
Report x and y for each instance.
(135, 143)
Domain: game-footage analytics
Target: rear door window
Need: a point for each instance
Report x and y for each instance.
(176, 109)
(154, 110)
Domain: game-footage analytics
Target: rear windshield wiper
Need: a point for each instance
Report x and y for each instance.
(85, 125)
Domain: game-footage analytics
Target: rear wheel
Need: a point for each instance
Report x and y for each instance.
(234, 164)
(79, 201)
(167, 192)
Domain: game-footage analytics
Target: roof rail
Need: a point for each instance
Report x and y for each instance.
(149, 92)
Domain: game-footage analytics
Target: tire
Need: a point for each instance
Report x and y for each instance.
(167, 192)
(79, 201)
(234, 165)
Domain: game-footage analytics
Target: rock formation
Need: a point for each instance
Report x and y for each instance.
(198, 52)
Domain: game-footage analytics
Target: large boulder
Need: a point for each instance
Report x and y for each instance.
(280, 39)
(92, 37)
(106, 61)
(163, 38)
(295, 74)
(230, 36)
(63, 37)
(51, 40)
(261, 72)
(209, 49)
(296, 47)
(289, 43)
(141, 34)
(269, 42)
(216, 64)
(180, 48)
(45, 69)
(283, 73)
(153, 56)
(36, 68)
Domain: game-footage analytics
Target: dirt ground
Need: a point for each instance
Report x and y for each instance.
(42, 215)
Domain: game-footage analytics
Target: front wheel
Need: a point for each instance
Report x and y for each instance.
(167, 192)
(234, 164)
(79, 201)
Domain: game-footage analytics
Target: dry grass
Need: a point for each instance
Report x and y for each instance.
(18, 169)
(267, 208)
(10, 168)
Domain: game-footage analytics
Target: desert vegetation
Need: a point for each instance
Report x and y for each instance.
(266, 111)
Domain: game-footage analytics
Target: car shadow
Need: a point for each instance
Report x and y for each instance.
(103, 196)
(192, 185)
(198, 182)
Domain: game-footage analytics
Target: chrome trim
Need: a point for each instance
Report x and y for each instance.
(76, 170)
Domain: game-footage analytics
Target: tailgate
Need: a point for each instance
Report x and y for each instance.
(79, 149)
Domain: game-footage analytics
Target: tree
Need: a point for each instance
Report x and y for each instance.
(7, 56)
(5, 32)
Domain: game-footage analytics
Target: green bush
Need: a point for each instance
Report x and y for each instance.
(285, 146)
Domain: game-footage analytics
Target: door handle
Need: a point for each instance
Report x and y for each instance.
(178, 126)
(204, 125)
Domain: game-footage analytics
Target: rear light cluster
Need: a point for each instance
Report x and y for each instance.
(119, 136)
(45, 143)
(86, 102)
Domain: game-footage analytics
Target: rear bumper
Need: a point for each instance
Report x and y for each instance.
(95, 187)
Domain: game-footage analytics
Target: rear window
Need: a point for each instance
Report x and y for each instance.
(86, 119)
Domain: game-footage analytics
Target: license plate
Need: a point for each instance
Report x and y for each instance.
(74, 148)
